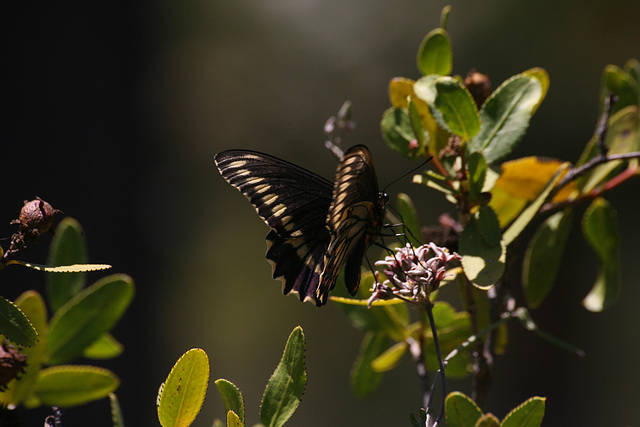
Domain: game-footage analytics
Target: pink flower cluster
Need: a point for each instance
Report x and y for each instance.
(413, 273)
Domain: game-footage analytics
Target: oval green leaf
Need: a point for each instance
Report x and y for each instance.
(15, 325)
(600, 229)
(489, 226)
(364, 380)
(460, 410)
(233, 420)
(529, 414)
(397, 131)
(390, 358)
(543, 257)
(286, 386)
(232, 398)
(67, 247)
(92, 312)
(69, 385)
(482, 263)
(477, 173)
(182, 394)
(435, 54)
(505, 117)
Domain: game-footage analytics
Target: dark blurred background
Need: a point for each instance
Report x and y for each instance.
(113, 112)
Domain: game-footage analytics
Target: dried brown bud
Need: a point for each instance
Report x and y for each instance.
(479, 85)
(12, 363)
(36, 217)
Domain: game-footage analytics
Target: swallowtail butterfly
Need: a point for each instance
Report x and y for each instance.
(317, 227)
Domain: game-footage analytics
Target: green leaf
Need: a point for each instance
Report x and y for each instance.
(542, 76)
(69, 385)
(390, 358)
(488, 420)
(530, 211)
(34, 307)
(15, 326)
(409, 216)
(543, 257)
(181, 396)
(451, 104)
(397, 131)
(105, 347)
(600, 228)
(85, 317)
(482, 263)
(529, 414)
(67, 269)
(460, 410)
(505, 117)
(233, 420)
(231, 397)
(435, 54)
(116, 413)
(364, 380)
(67, 247)
(619, 83)
(477, 173)
(489, 226)
(286, 386)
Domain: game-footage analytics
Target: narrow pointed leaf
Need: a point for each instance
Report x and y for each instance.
(390, 358)
(435, 54)
(286, 386)
(363, 379)
(505, 117)
(85, 317)
(409, 216)
(15, 325)
(116, 413)
(232, 398)
(529, 414)
(543, 257)
(600, 228)
(68, 247)
(67, 269)
(69, 385)
(477, 172)
(181, 397)
(460, 410)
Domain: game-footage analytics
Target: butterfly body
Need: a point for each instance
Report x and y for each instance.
(317, 226)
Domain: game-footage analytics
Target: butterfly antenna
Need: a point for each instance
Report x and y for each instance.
(384, 190)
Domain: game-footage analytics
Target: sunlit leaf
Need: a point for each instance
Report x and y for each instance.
(232, 398)
(527, 214)
(488, 420)
(116, 413)
(105, 347)
(70, 385)
(435, 55)
(529, 414)
(286, 386)
(460, 410)
(182, 394)
(505, 116)
(390, 358)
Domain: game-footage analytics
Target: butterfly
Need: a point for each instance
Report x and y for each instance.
(317, 227)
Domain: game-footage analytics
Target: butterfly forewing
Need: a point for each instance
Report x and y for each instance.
(292, 201)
